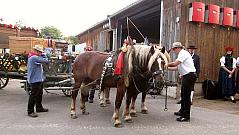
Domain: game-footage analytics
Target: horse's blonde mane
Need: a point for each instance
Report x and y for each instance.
(142, 52)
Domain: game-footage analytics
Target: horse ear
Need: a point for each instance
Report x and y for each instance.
(163, 50)
(152, 49)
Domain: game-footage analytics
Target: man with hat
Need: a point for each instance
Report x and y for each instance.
(196, 60)
(35, 79)
(184, 65)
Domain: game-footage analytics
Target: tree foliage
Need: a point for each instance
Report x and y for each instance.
(73, 39)
(51, 32)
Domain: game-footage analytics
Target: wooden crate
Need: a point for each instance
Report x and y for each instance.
(25, 44)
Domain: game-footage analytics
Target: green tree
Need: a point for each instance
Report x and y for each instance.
(51, 31)
(73, 39)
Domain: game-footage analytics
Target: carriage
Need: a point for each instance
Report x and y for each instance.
(58, 72)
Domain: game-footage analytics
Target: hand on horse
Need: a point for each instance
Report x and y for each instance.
(166, 66)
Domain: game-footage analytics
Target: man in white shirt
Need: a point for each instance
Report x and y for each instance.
(184, 65)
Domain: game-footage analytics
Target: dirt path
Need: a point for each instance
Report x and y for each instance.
(218, 105)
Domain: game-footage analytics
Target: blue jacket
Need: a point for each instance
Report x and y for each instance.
(35, 69)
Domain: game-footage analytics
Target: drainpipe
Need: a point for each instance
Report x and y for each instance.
(109, 21)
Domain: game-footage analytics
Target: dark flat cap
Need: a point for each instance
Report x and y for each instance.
(192, 47)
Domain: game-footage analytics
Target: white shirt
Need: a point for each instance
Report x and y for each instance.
(222, 61)
(237, 61)
(186, 66)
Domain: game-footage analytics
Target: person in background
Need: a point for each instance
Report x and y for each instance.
(237, 79)
(92, 90)
(35, 79)
(184, 65)
(90, 98)
(196, 61)
(226, 82)
(92, 94)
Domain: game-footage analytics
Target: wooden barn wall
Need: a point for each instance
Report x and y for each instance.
(210, 41)
(96, 38)
(91, 38)
(170, 29)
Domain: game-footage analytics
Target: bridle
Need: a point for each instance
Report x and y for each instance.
(150, 76)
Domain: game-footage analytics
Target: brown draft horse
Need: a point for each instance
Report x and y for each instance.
(159, 81)
(141, 62)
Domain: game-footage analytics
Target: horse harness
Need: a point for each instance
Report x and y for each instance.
(108, 68)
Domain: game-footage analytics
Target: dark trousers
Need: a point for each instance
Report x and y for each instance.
(188, 82)
(193, 86)
(92, 93)
(35, 97)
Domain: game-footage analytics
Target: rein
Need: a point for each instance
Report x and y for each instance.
(147, 89)
(152, 75)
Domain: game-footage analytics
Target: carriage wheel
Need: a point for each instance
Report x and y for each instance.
(67, 92)
(4, 78)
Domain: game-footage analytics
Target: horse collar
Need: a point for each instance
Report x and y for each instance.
(108, 64)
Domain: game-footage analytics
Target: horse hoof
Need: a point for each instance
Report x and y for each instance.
(128, 120)
(118, 125)
(102, 105)
(133, 114)
(144, 111)
(108, 102)
(85, 113)
(73, 116)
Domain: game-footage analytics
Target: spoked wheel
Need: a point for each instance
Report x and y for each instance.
(156, 88)
(4, 78)
(67, 92)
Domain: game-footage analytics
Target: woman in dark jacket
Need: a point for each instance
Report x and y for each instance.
(226, 81)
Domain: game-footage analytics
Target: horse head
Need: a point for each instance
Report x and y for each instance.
(159, 78)
(145, 62)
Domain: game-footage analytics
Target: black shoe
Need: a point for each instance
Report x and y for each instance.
(42, 110)
(178, 113)
(183, 119)
(90, 101)
(179, 102)
(33, 115)
(234, 101)
(153, 92)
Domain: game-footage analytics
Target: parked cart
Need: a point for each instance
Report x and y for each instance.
(58, 72)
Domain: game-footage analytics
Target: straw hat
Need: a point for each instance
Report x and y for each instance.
(177, 45)
(38, 48)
